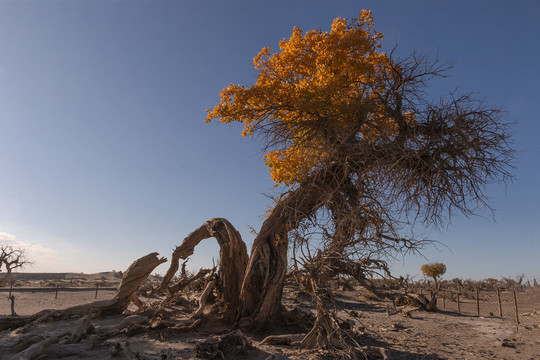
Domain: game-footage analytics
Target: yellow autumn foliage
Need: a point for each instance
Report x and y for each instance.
(334, 77)
(434, 270)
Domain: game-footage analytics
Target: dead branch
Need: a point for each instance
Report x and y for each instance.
(36, 350)
(131, 280)
(11, 259)
(285, 339)
(186, 281)
(22, 342)
(127, 325)
(203, 299)
(83, 328)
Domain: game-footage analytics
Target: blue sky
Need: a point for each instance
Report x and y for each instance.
(105, 156)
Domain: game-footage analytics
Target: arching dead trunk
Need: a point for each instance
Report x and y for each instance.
(233, 260)
(181, 252)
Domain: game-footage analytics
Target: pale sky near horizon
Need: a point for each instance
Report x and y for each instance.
(105, 155)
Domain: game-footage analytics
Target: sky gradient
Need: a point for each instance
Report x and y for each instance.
(105, 155)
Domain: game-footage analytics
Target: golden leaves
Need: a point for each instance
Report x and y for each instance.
(334, 76)
(290, 165)
(434, 270)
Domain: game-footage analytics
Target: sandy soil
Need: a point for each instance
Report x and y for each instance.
(441, 335)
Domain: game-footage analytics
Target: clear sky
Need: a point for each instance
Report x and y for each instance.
(105, 156)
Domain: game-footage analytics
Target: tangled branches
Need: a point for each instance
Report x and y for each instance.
(362, 152)
(10, 259)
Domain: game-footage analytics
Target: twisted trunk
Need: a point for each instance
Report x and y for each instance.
(251, 289)
(263, 283)
(265, 274)
(233, 260)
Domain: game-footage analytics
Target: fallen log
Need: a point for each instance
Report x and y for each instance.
(410, 302)
(131, 280)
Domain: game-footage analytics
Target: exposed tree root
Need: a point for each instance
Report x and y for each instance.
(288, 339)
(335, 337)
(37, 349)
(83, 328)
(30, 347)
(67, 343)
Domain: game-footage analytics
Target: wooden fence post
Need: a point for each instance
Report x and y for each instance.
(97, 286)
(444, 301)
(516, 309)
(56, 293)
(499, 301)
(458, 303)
(477, 302)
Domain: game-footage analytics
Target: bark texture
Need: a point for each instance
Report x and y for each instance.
(263, 283)
(132, 279)
(233, 259)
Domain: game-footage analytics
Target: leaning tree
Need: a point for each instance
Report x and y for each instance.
(360, 152)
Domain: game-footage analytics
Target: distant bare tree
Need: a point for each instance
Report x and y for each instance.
(11, 258)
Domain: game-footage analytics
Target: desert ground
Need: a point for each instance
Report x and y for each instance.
(417, 334)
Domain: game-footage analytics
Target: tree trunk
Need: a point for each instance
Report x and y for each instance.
(6, 277)
(263, 284)
(265, 275)
(233, 260)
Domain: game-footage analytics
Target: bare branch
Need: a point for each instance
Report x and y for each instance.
(10, 259)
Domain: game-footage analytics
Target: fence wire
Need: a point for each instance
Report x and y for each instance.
(522, 307)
